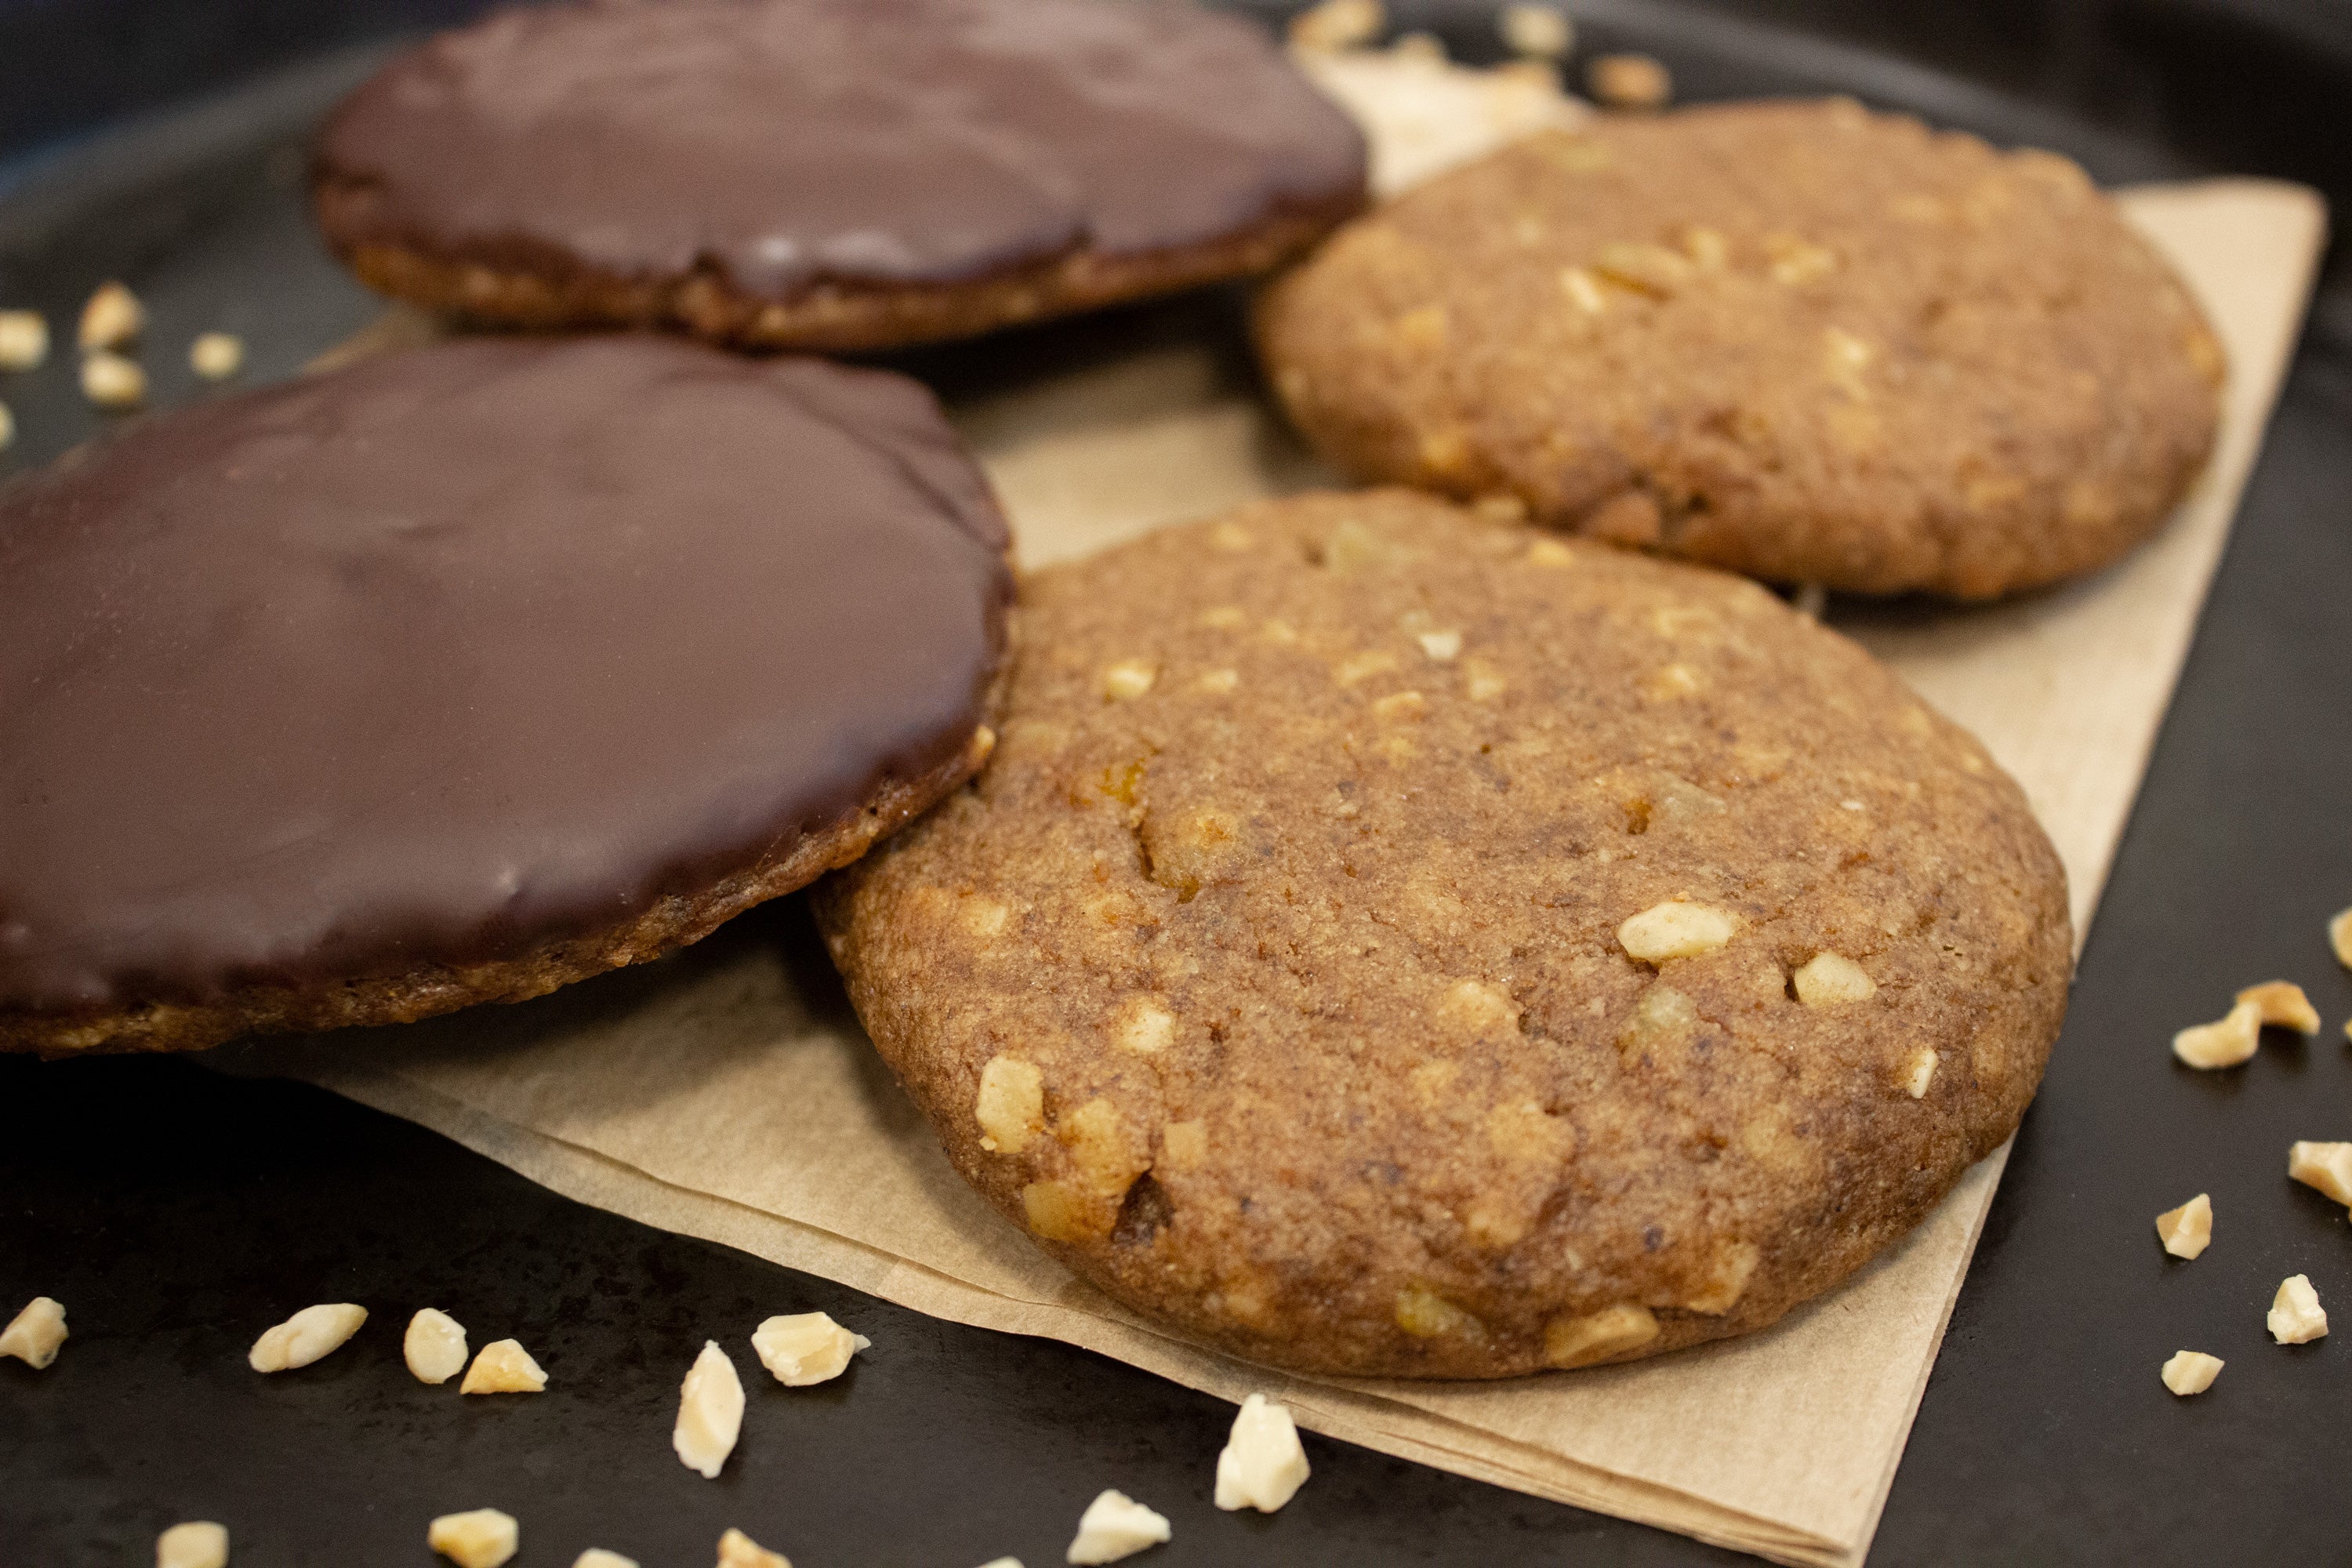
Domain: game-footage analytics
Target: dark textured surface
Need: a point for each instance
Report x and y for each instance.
(177, 1214)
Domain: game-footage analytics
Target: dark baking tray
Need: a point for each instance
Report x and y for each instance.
(175, 1212)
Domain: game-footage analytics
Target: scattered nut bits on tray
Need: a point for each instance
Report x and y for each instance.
(597, 1557)
(435, 1346)
(24, 340)
(1539, 32)
(2339, 937)
(806, 1348)
(1338, 25)
(2191, 1371)
(2188, 1229)
(503, 1367)
(2295, 1316)
(111, 380)
(306, 1336)
(482, 1539)
(1115, 1526)
(216, 356)
(34, 1334)
(1629, 81)
(112, 317)
(710, 1413)
(2327, 1166)
(737, 1549)
(2223, 1043)
(1263, 1465)
(2282, 1003)
(199, 1543)
(8, 429)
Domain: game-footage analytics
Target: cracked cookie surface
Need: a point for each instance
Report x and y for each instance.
(1390, 942)
(1795, 339)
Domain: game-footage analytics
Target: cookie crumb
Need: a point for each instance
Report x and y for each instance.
(597, 1557)
(1538, 32)
(1831, 979)
(806, 1348)
(2283, 1003)
(1629, 81)
(2295, 1316)
(2327, 1166)
(1574, 1340)
(216, 356)
(1115, 1526)
(1338, 25)
(1263, 1465)
(34, 1334)
(434, 1347)
(110, 381)
(199, 1543)
(1676, 928)
(111, 318)
(503, 1367)
(2223, 1043)
(2191, 1371)
(306, 1336)
(2188, 1229)
(24, 340)
(484, 1538)
(737, 1549)
(710, 1413)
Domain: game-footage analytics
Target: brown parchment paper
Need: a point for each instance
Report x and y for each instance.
(727, 1092)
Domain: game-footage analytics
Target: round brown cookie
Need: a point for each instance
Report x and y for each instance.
(1795, 340)
(1275, 973)
(457, 675)
(830, 174)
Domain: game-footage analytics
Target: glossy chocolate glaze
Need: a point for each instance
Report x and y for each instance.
(440, 656)
(876, 141)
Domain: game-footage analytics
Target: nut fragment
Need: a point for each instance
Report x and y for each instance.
(111, 318)
(737, 1549)
(8, 429)
(2283, 1003)
(2188, 1229)
(1828, 979)
(2223, 1044)
(1011, 1109)
(34, 1334)
(111, 380)
(1538, 32)
(1425, 1314)
(710, 1413)
(1338, 25)
(2191, 1371)
(503, 1367)
(1629, 81)
(1146, 1029)
(1128, 678)
(1596, 1336)
(1441, 645)
(1262, 1465)
(805, 1348)
(482, 1539)
(2327, 1166)
(1115, 1526)
(24, 340)
(2295, 1316)
(2339, 937)
(435, 1346)
(1922, 1073)
(1676, 928)
(216, 356)
(597, 1557)
(308, 1334)
(199, 1543)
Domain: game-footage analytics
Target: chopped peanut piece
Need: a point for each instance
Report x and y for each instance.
(2224, 1043)
(2295, 1316)
(1596, 1336)
(1011, 1109)
(2284, 1003)
(1338, 25)
(435, 1346)
(199, 1543)
(2339, 937)
(1263, 1464)
(503, 1367)
(111, 318)
(24, 340)
(308, 1335)
(597, 1557)
(110, 381)
(1629, 81)
(1831, 978)
(34, 1334)
(2191, 1371)
(1425, 1314)
(1676, 928)
(2188, 1229)
(1538, 32)
(2327, 1166)
(1115, 1526)
(806, 1348)
(1129, 679)
(737, 1549)
(1147, 1028)
(710, 1413)
(482, 1539)
(216, 356)
(1924, 1063)
(1728, 1272)
(1441, 645)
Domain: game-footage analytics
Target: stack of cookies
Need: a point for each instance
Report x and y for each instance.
(1453, 928)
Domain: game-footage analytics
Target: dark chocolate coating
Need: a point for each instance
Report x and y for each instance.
(873, 142)
(437, 657)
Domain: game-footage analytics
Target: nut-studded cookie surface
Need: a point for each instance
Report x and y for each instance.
(1391, 943)
(1795, 339)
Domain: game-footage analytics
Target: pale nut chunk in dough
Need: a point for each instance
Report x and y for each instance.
(484, 1538)
(737, 1549)
(1426, 1315)
(34, 1334)
(2188, 1229)
(1921, 1071)
(435, 1346)
(710, 1413)
(2283, 1003)
(1011, 1106)
(1676, 928)
(2191, 1371)
(2295, 1316)
(597, 1557)
(1830, 980)
(1115, 1526)
(1129, 679)
(111, 317)
(2223, 1043)
(24, 340)
(503, 1367)
(199, 1543)
(1263, 1464)
(308, 1335)
(2327, 1166)
(1570, 1341)
(806, 1348)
